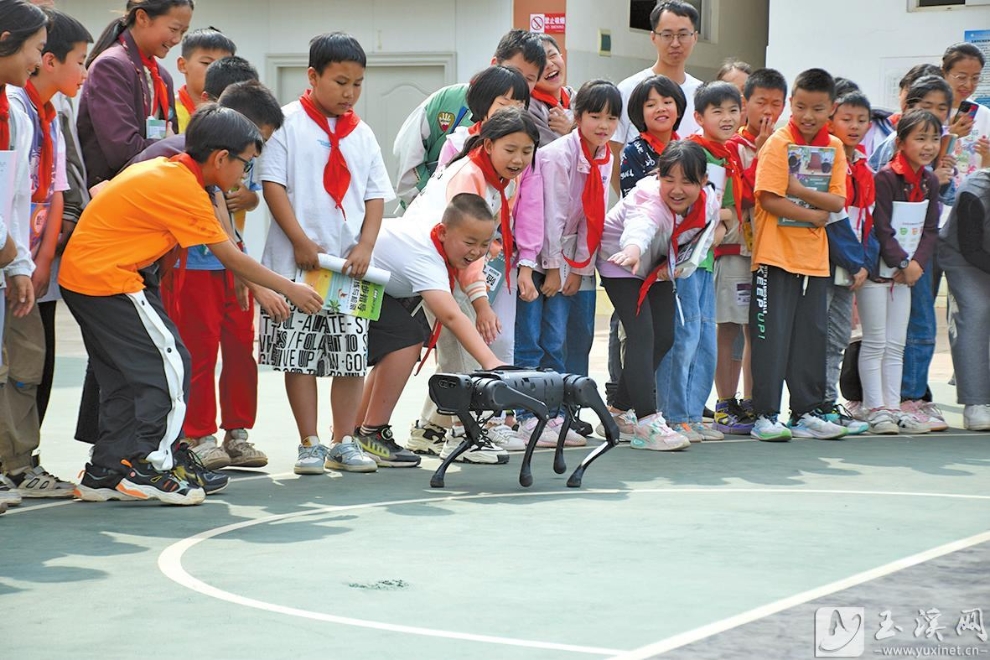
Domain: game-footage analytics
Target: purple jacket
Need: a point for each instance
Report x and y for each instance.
(114, 108)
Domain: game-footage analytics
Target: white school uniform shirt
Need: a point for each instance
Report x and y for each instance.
(564, 170)
(625, 132)
(405, 249)
(295, 157)
(18, 225)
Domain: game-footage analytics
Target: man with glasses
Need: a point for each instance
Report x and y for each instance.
(674, 33)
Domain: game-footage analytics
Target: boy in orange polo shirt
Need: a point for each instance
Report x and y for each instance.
(110, 285)
(788, 309)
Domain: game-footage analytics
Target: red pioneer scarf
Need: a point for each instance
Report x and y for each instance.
(900, 165)
(46, 116)
(564, 101)
(861, 192)
(820, 140)
(336, 176)
(483, 160)
(748, 174)
(655, 142)
(733, 168)
(157, 83)
(593, 202)
(475, 128)
(695, 219)
(4, 119)
(186, 100)
(435, 333)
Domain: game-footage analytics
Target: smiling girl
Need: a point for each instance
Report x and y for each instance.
(551, 98)
(128, 102)
(962, 65)
(655, 109)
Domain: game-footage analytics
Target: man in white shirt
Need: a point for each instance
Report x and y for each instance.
(675, 28)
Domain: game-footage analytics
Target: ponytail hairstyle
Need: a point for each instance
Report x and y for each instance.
(22, 20)
(153, 9)
(504, 122)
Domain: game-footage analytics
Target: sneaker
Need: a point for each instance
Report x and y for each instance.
(839, 415)
(653, 433)
(708, 413)
(485, 453)
(707, 433)
(9, 494)
(311, 457)
(768, 428)
(143, 482)
(37, 482)
(746, 411)
(857, 410)
(504, 437)
(189, 467)
(547, 439)
(731, 419)
(210, 455)
(99, 484)
(976, 417)
(572, 439)
(426, 439)
(346, 455)
(241, 452)
(936, 420)
(626, 421)
(688, 431)
(814, 425)
(883, 422)
(582, 428)
(909, 424)
(382, 448)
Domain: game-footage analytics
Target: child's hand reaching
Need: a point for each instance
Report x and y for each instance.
(358, 261)
(273, 304)
(551, 285)
(307, 254)
(572, 284)
(241, 199)
(628, 258)
(488, 325)
(304, 298)
(527, 290)
(242, 293)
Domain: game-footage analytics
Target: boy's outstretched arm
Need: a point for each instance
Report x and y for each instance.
(243, 266)
(448, 314)
(785, 208)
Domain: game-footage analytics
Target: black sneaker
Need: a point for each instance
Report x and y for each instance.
(99, 484)
(189, 467)
(381, 446)
(143, 482)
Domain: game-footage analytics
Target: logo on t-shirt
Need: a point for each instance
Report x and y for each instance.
(444, 120)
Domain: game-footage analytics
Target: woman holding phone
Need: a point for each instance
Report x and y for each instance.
(962, 64)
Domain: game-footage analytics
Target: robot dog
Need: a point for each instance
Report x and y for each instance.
(539, 392)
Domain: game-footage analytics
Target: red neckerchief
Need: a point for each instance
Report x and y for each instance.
(186, 100)
(733, 168)
(4, 119)
(894, 118)
(46, 116)
(483, 160)
(695, 219)
(820, 140)
(336, 176)
(861, 191)
(564, 101)
(475, 128)
(157, 82)
(745, 137)
(655, 142)
(912, 179)
(593, 202)
(435, 333)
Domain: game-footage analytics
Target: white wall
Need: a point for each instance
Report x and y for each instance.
(739, 30)
(873, 42)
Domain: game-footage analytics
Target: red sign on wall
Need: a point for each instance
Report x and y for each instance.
(548, 23)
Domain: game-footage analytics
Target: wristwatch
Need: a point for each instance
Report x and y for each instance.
(904, 264)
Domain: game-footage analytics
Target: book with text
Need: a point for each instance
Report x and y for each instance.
(813, 168)
(342, 294)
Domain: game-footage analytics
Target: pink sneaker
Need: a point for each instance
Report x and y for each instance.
(653, 433)
(572, 439)
(547, 439)
(920, 411)
(626, 421)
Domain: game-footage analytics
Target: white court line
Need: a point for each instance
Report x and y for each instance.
(170, 564)
(698, 634)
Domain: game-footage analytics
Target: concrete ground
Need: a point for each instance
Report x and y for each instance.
(735, 549)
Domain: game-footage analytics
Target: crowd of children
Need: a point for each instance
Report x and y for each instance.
(738, 252)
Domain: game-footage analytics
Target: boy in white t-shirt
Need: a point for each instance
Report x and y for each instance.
(424, 258)
(325, 183)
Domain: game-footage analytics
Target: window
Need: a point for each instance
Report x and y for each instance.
(639, 15)
(945, 4)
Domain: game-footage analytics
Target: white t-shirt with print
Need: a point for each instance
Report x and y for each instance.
(626, 132)
(295, 157)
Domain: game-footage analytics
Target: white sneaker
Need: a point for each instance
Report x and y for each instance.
(504, 437)
(976, 417)
(212, 456)
(626, 421)
(857, 410)
(653, 433)
(936, 420)
(810, 425)
(347, 455)
(9, 494)
(484, 454)
(572, 439)
(312, 456)
(768, 428)
(547, 439)
(910, 424)
(883, 422)
(426, 439)
(706, 432)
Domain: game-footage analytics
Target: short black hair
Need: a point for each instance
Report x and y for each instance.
(225, 72)
(855, 99)
(689, 155)
(918, 71)
(816, 80)
(492, 83)
(678, 8)
(466, 204)
(22, 20)
(843, 86)
(765, 78)
(64, 33)
(325, 49)
(924, 86)
(214, 128)
(714, 94)
(598, 96)
(961, 51)
(208, 38)
(254, 101)
(665, 87)
(915, 118)
(514, 42)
